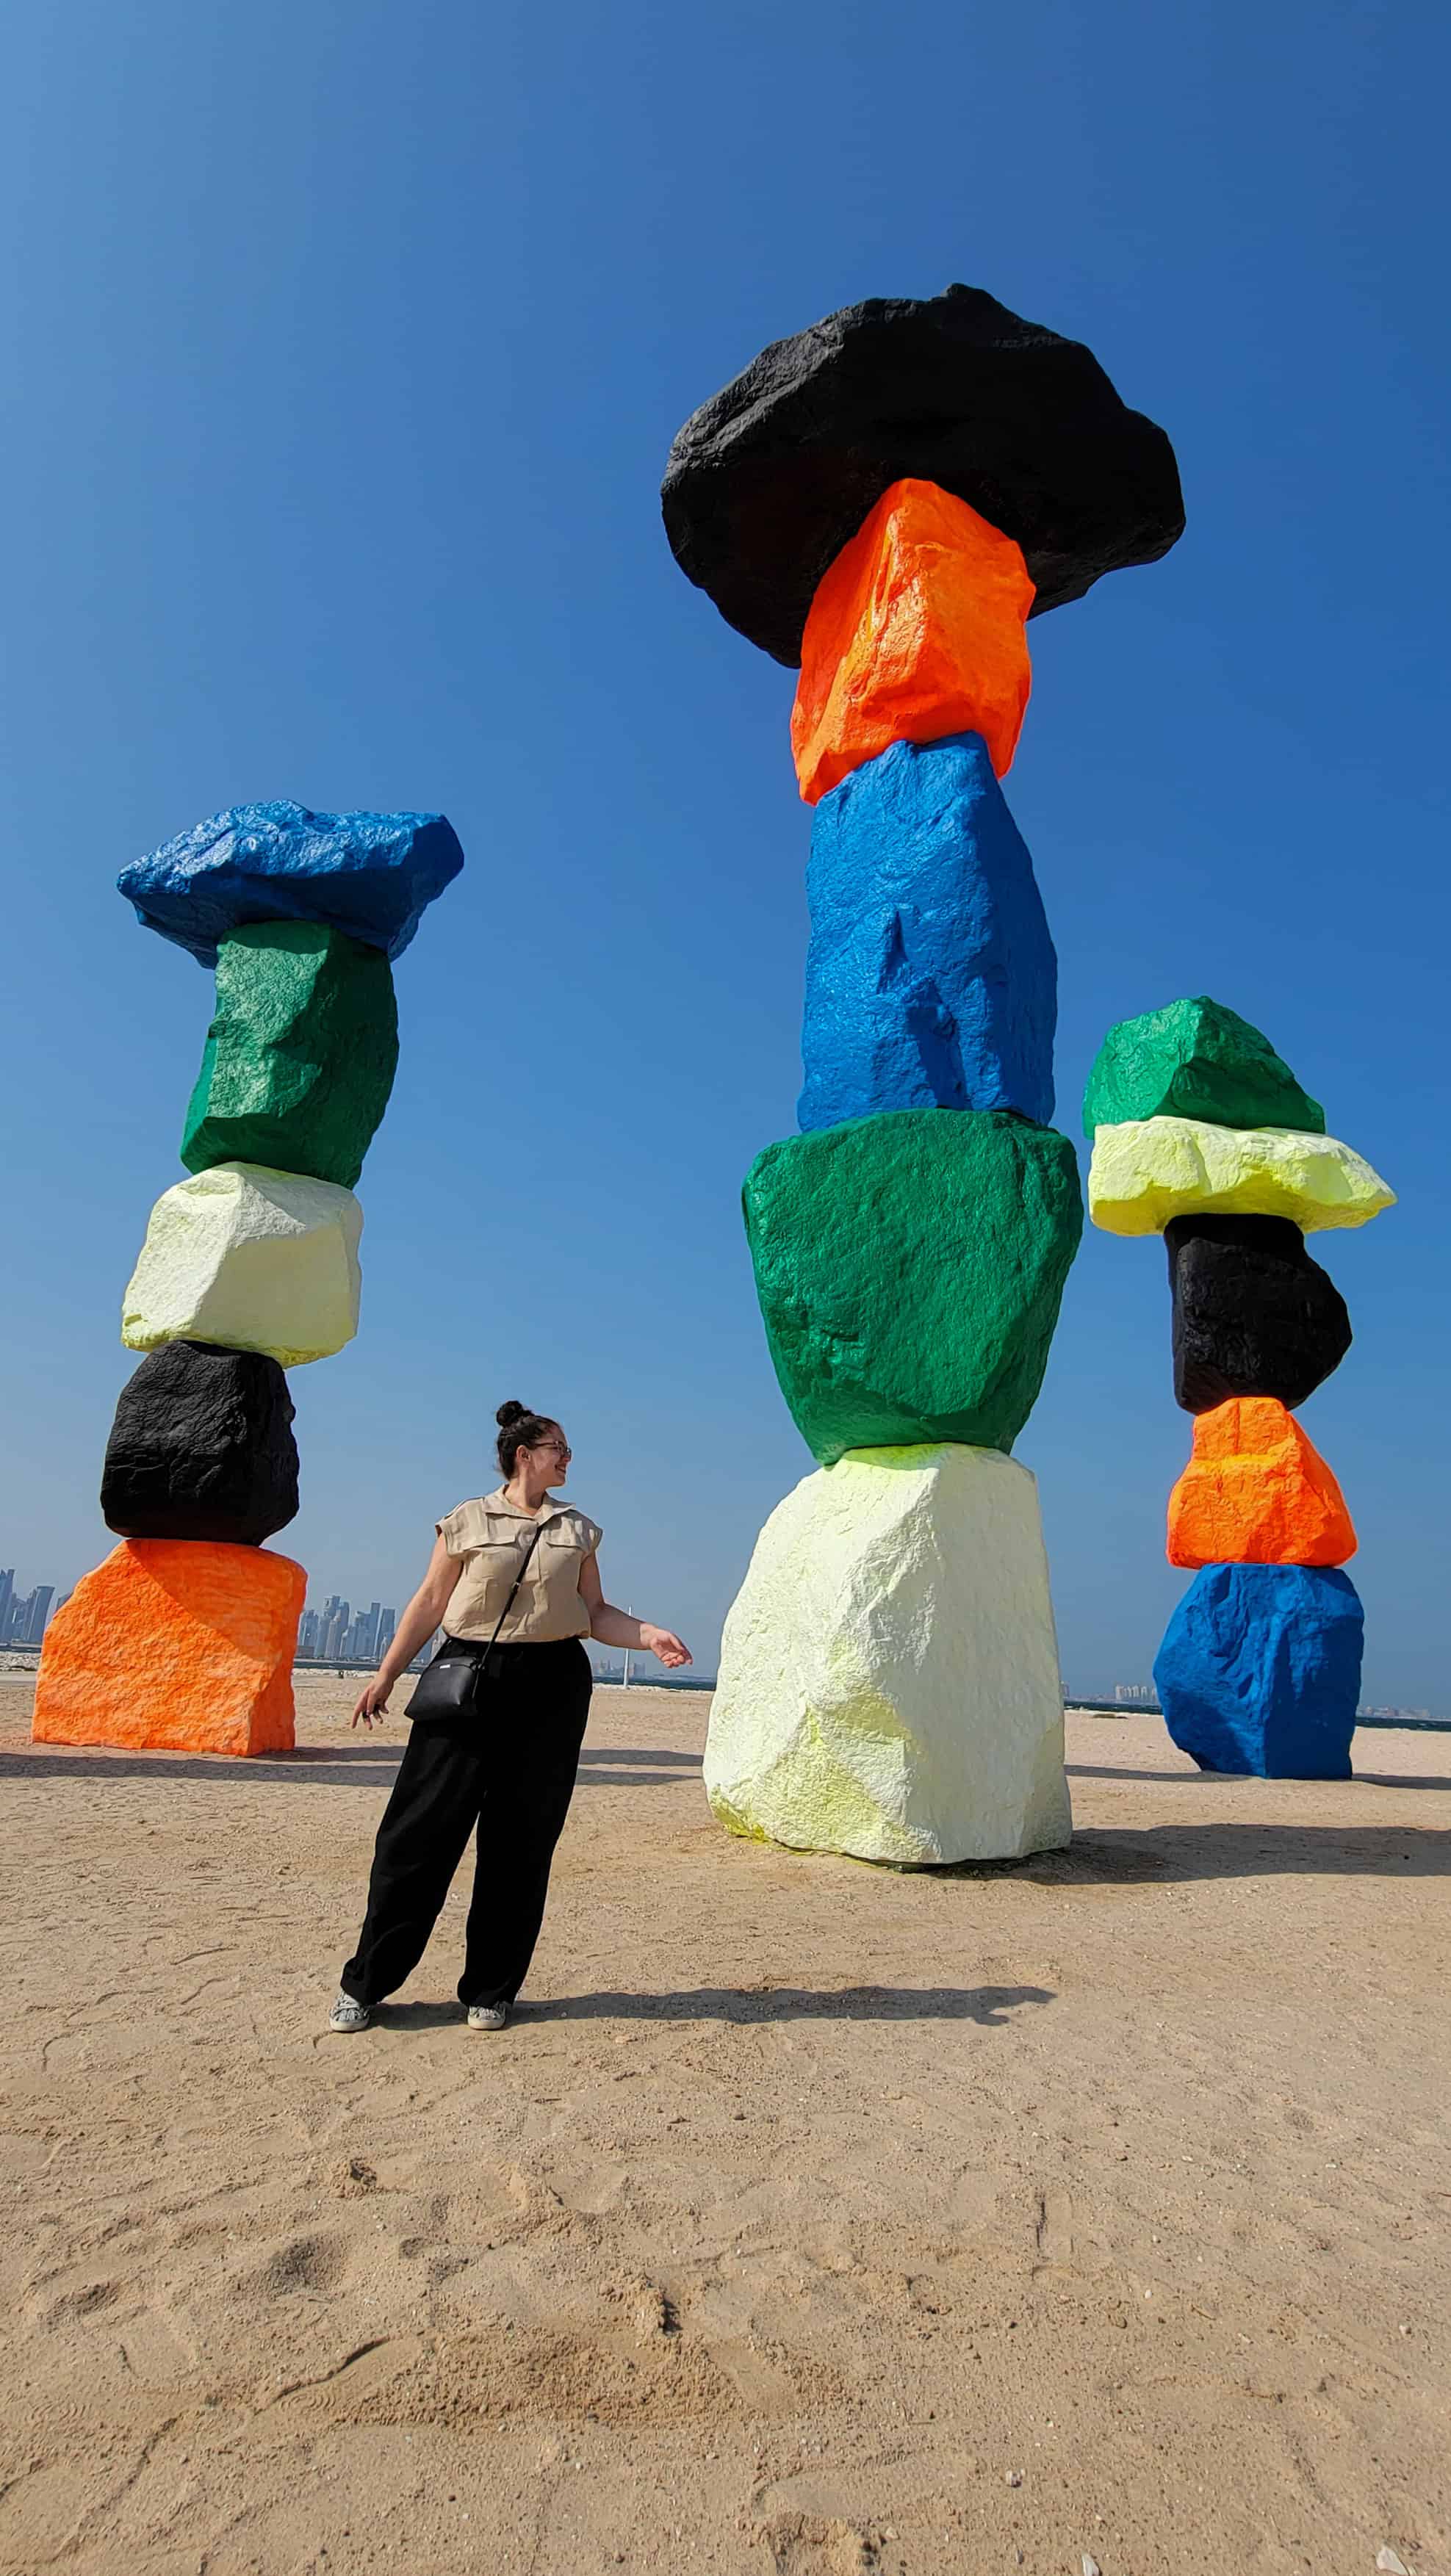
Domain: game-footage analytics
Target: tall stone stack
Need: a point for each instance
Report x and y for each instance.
(184, 1637)
(1201, 1133)
(885, 500)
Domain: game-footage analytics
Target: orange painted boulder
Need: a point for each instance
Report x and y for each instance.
(1257, 1492)
(917, 630)
(177, 1645)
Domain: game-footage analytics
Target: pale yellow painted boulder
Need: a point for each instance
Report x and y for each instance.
(1148, 1170)
(250, 1258)
(889, 1681)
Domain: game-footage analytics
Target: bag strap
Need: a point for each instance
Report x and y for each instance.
(518, 1579)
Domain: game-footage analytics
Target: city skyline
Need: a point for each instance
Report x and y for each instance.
(336, 1630)
(23, 1616)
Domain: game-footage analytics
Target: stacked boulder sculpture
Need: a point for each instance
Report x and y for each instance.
(1201, 1133)
(184, 1637)
(886, 500)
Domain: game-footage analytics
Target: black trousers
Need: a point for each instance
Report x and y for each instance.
(510, 1771)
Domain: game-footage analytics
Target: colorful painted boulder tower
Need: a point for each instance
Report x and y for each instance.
(185, 1636)
(885, 501)
(1201, 1133)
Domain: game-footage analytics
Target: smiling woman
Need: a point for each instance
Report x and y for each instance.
(499, 1717)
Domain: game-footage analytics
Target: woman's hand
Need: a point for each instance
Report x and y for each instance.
(663, 1643)
(373, 1701)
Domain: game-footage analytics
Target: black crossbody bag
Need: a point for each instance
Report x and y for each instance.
(449, 1686)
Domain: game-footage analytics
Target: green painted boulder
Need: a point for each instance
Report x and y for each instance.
(300, 1055)
(1195, 1059)
(909, 1268)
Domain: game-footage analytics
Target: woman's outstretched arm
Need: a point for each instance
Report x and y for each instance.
(618, 1628)
(423, 1614)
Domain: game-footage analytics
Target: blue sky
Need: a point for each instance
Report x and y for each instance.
(345, 342)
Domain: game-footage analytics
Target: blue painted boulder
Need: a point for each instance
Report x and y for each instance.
(1259, 1670)
(931, 978)
(370, 875)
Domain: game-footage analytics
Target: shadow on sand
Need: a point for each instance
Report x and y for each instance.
(1217, 1779)
(988, 2006)
(1166, 1854)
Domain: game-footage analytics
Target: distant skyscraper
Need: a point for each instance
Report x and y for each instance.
(27, 1623)
(7, 1600)
(338, 1633)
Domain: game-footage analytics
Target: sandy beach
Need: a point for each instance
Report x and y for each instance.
(812, 2218)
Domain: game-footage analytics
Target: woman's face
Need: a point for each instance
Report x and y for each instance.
(552, 1454)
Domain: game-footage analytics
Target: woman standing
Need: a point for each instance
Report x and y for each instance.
(515, 1582)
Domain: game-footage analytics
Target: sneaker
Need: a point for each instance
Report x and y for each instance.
(488, 2016)
(348, 2014)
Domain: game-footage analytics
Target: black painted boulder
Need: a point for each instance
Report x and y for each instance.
(202, 1448)
(1253, 1314)
(770, 478)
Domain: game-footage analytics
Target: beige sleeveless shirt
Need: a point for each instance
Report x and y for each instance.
(491, 1535)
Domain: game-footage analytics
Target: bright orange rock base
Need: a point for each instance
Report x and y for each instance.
(1257, 1492)
(174, 1644)
(916, 630)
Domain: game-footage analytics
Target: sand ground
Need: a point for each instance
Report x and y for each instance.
(813, 2218)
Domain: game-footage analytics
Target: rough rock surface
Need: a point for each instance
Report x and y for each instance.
(916, 631)
(174, 1644)
(251, 1259)
(931, 979)
(1259, 1671)
(889, 1680)
(1153, 1169)
(300, 1055)
(368, 875)
(1257, 1491)
(1253, 1314)
(909, 1269)
(202, 1448)
(1195, 1059)
(769, 479)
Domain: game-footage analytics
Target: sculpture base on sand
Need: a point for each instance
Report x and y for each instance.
(176, 1645)
(1259, 1671)
(889, 1682)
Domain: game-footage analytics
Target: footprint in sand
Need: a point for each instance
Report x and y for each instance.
(1055, 2230)
(814, 2545)
(64, 2308)
(302, 2263)
(157, 2348)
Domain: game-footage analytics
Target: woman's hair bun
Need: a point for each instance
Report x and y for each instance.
(519, 1429)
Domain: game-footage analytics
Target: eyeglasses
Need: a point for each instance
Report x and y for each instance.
(561, 1448)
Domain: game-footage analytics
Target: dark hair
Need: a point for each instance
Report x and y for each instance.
(520, 1429)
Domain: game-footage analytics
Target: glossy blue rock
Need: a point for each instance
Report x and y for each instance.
(370, 875)
(1259, 1670)
(931, 979)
